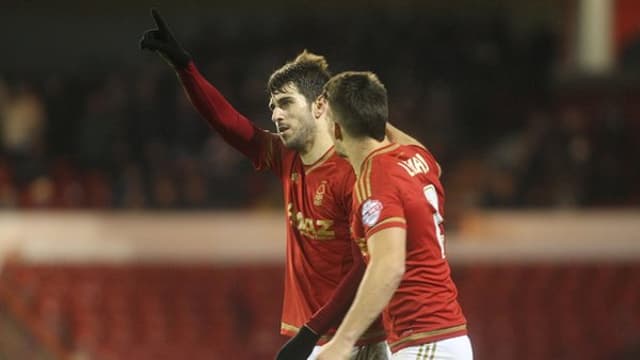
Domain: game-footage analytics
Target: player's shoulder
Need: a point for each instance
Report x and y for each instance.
(412, 159)
(377, 172)
(334, 169)
(386, 162)
(399, 163)
(409, 151)
(342, 172)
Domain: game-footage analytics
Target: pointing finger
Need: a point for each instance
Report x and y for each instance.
(162, 25)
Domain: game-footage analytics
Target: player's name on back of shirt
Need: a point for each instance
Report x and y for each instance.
(415, 165)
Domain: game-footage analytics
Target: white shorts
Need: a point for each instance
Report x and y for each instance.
(377, 351)
(457, 348)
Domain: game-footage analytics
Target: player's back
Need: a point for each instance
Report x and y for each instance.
(402, 183)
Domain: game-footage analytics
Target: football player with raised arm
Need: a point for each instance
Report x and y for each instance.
(323, 265)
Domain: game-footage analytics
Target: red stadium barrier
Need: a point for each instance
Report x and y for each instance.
(533, 311)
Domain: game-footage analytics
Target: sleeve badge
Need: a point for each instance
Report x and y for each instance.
(371, 210)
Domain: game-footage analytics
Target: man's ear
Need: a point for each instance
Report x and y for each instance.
(319, 107)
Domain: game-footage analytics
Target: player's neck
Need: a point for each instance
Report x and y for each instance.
(316, 149)
(359, 150)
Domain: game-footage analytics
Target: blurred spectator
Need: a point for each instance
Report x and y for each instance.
(23, 120)
(478, 93)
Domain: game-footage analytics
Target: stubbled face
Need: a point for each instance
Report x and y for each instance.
(291, 113)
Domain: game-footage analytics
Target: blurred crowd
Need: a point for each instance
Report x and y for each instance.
(484, 99)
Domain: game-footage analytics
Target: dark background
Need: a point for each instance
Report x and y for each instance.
(89, 121)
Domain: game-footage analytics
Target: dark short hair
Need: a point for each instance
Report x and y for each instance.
(308, 72)
(359, 102)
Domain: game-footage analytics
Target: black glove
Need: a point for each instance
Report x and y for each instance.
(162, 41)
(300, 346)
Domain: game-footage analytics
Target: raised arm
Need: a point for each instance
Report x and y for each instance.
(236, 129)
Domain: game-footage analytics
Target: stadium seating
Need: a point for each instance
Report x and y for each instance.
(525, 311)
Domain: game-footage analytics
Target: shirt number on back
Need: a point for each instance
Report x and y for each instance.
(431, 195)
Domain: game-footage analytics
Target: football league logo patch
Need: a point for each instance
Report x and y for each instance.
(371, 210)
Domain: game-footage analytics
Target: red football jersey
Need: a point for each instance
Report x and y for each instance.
(317, 201)
(399, 187)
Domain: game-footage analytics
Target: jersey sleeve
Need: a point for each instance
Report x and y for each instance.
(380, 200)
(264, 149)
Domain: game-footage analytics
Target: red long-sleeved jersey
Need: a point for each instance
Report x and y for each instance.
(323, 265)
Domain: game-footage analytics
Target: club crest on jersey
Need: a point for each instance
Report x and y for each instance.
(319, 196)
(371, 210)
(294, 176)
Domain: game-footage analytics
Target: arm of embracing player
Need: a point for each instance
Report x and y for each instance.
(330, 315)
(400, 137)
